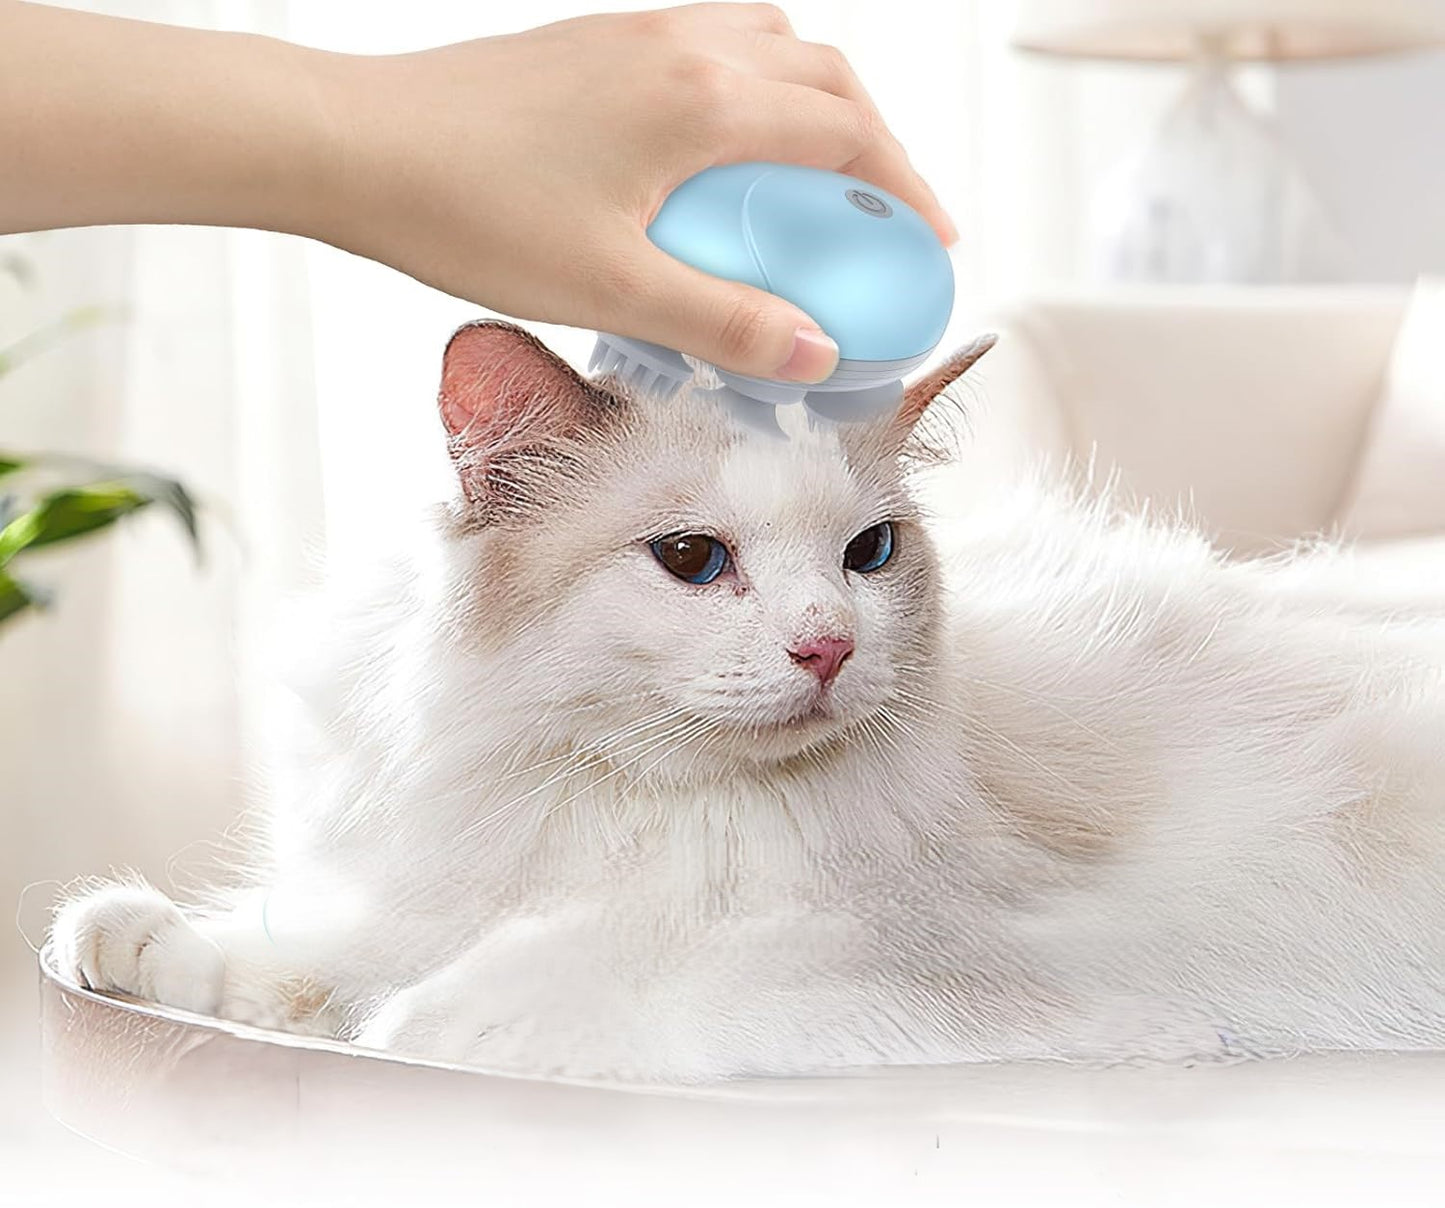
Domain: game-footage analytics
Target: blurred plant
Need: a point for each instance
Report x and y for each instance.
(50, 498)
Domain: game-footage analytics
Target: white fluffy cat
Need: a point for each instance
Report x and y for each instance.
(673, 753)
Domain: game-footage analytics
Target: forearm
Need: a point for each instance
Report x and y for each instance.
(104, 120)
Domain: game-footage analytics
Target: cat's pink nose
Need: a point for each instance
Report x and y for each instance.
(822, 656)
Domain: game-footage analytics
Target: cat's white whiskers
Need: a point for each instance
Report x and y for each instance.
(571, 767)
(572, 760)
(579, 751)
(698, 740)
(874, 730)
(889, 717)
(638, 737)
(677, 736)
(703, 743)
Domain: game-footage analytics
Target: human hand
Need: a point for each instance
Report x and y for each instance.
(518, 172)
(521, 172)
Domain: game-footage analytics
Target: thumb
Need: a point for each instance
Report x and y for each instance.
(732, 326)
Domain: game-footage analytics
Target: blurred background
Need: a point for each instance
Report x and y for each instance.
(1279, 149)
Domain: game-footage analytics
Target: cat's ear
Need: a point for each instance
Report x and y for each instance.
(505, 398)
(921, 393)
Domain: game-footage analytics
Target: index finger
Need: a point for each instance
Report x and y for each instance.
(881, 160)
(885, 164)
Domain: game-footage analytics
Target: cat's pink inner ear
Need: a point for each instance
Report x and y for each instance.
(500, 384)
(921, 393)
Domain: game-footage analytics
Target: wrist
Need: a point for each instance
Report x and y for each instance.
(298, 179)
(357, 190)
(350, 184)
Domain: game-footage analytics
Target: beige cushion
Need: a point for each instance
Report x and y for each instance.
(1247, 405)
(1399, 487)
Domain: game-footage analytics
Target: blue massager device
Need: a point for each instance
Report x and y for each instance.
(867, 268)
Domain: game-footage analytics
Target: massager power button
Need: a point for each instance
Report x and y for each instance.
(869, 203)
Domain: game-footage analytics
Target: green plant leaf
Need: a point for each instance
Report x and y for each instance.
(17, 596)
(10, 462)
(78, 510)
(13, 597)
(172, 495)
(70, 512)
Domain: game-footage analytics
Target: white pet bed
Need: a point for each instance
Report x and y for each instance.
(313, 1120)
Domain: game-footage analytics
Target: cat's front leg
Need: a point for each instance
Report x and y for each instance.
(535, 995)
(462, 1013)
(424, 1020)
(131, 938)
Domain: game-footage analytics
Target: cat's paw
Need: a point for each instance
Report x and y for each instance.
(486, 1026)
(134, 939)
(422, 1023)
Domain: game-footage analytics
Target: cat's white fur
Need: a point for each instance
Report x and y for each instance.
(1088, 790)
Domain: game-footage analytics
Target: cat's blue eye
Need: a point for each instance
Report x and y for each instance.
(870, 549)
(692, 557)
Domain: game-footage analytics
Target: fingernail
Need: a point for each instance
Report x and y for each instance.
(813, 358)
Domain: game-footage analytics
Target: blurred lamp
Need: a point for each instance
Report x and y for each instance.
(1214, 196)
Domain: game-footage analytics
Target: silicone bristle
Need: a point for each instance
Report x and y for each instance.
(605, 359)
(639, 367)
(639, 378)
(752, 413)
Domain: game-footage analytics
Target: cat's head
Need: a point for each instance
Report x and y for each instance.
(650, 581)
